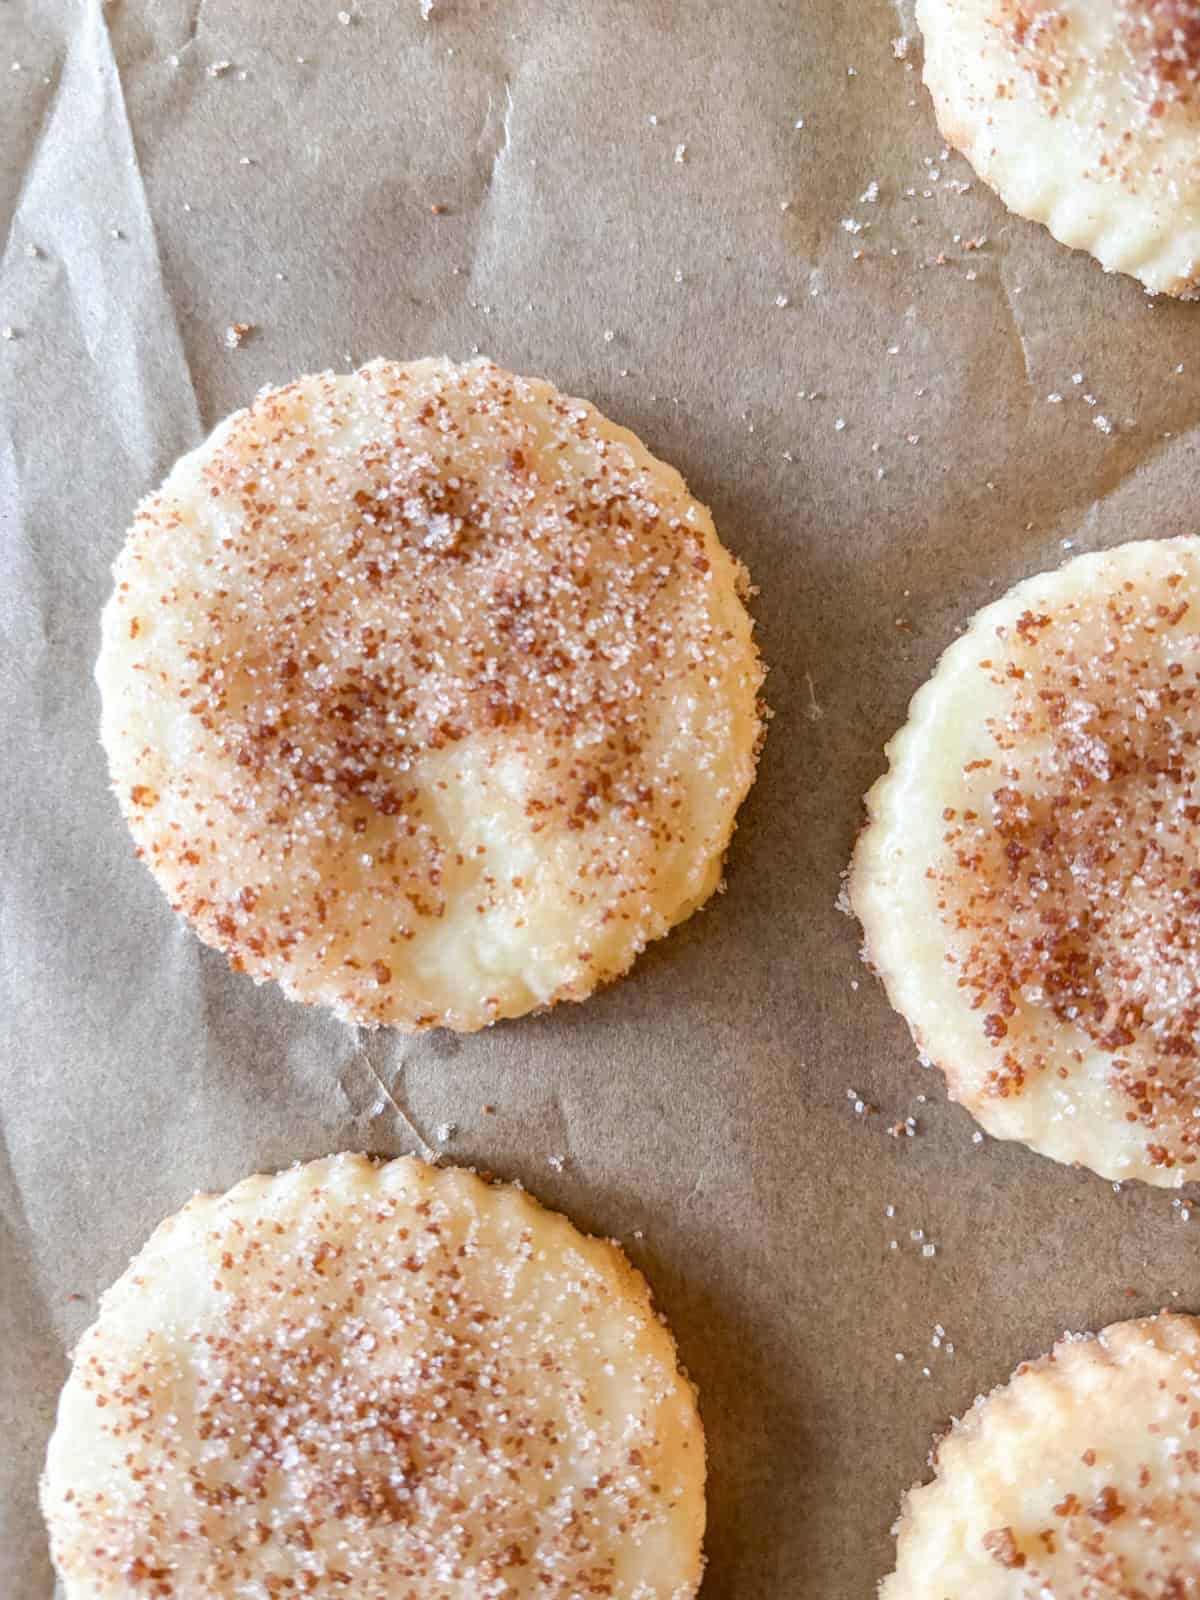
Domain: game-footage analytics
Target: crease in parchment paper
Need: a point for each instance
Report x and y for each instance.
(494, 143)
(26, 619)
(108, 251)
(361, 1072)
(193, 25)
(1015, 317)
(19, 1233)
(37, 138)
(1083, 525)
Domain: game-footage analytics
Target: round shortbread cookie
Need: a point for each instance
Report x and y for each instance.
(1029, 878)
(1079, 1479)
(1084, 115)
(387, 1382)
(428, 693)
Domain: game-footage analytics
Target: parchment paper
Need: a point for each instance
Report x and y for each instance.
(632, 208)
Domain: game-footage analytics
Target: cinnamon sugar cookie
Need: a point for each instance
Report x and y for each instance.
(1029, 878)
(1078, 1480)
(428, 693)
(387, 1382)
(1084, 115)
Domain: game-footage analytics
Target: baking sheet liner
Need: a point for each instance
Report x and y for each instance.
(736, 230)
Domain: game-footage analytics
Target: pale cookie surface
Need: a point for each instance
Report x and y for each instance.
(429, 693)
(386, 1382)
(1078, 1480)
(1029, 878)
(1084, 115)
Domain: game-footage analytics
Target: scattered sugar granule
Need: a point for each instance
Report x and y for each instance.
(852, 225)
(782, 301)
(839, 425)
(216, 68)
(870, 194)
(8, 331)
(1104, 425)
(32, 251)
(900, 47)
(235, 333)
(680, 154)
(344, 18)
(556, 1163)
(426, 10)
(445, 1131)
(1054, 399)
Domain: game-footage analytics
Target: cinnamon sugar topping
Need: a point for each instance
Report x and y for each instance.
(1029, 884)
(1117, 1521)
(389, 1383)
(432, 666)
(1072, 899)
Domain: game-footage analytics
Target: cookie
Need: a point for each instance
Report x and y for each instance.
(1083, 115)
(392, 1382)
(1079, 1479)
(428, 693)
(1029, 878)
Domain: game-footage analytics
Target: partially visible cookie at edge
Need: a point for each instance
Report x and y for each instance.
(1077, 1479)
(392, 1382)
(1083, 115)
(429, 693)
(1028, 880)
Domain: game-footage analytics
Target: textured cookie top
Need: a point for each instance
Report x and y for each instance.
(1078, 1480)
(1029, 883)
(1084, 115)
(395, 1383)
(429, 693)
